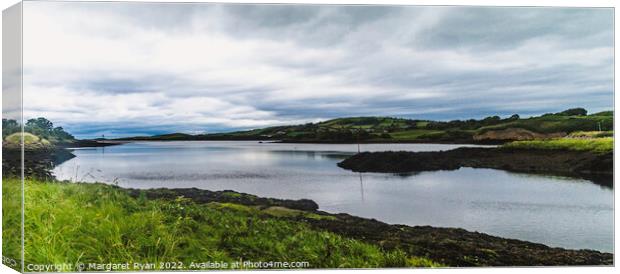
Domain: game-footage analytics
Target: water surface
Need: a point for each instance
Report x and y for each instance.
(557, 211)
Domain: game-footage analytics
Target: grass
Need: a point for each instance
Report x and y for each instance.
(11, 222)
(31, 141)
(413, 134)
(278, 211)
(598, 145)
(591, 134)
(96, 223)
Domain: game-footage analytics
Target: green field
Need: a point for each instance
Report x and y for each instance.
(96, 223)
(413, 134)
(598, 145)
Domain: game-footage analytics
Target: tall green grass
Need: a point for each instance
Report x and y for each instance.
(598, 145)
(11, 222)
(95, 223)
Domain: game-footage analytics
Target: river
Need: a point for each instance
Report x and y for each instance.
(556, 211)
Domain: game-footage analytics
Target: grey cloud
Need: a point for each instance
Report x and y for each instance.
(497, 28)
(308, 62)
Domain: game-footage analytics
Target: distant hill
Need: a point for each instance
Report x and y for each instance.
(389, 129)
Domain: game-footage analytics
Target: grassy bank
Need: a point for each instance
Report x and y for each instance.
(598, 145)
(95, 223)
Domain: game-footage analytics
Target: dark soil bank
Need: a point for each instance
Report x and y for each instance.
(588, 165)
(449, 246)
(226, 196)
(458, 247)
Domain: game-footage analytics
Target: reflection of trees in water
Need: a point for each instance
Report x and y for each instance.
(36, 164)
(336, 155)
(605, 181)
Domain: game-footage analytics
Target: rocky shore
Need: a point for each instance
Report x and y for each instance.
(449, 246)
(596, 167)
(458, 247)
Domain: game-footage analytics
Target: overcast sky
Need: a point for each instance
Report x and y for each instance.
(124, 69)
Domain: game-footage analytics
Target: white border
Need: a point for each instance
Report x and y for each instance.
(555, 3)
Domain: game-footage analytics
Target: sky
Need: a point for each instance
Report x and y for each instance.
(125, 69)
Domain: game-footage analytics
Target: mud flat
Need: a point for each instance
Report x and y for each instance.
(597, 167)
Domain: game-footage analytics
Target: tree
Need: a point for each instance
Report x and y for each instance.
(40, 127)
(45, 128)
(9, 126)
(41, 123)
(574, 112)
(494, 118)
(60, 134)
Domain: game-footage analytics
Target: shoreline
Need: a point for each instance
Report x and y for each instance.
(596, 167)
(450, 246)
(455, 142)
(90, 143)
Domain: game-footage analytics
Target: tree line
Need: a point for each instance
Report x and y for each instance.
(41, 127)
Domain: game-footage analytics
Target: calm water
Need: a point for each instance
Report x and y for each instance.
(556, 211)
